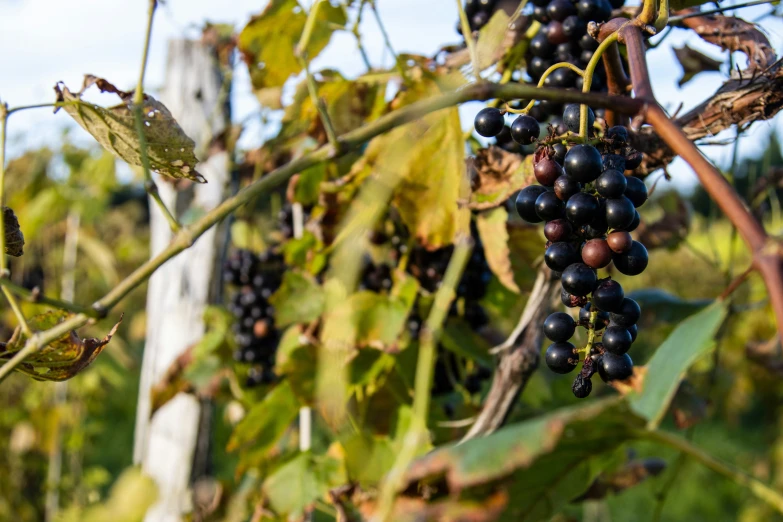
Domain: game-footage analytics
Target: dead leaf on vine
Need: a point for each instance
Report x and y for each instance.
(694, 62)
(169, 150)
(61, 359)
(734, 34)
(495, 175)
(492, 228)
(14, 239)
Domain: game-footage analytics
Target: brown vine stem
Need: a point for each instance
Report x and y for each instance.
(616, 81)
(766, 252)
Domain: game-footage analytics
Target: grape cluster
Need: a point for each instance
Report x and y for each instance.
(255, 278)
(589, 206)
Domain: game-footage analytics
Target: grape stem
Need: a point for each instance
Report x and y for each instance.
(590, 334)
(587, 82)
(541, 81)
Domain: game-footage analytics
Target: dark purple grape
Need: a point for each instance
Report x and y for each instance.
(632, 262)
(526, 203)
(579, 279)
(489, 122)
(560, 357)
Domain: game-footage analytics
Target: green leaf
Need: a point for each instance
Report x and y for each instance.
(61, 359)
(300, 299)
(491, 39)
(690, 340)
(661, 306)
(545, 462)
(515, 447)
(295, 486)
(14, 239)
(459, 337)
(494, 238)
(368, 459)
(268, 41)
(371, 319)
(169, 150)
(496, 175)
(267, 420)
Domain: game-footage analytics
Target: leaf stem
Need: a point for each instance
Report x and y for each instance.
(541, 81)
(138, 102)
(17, 311)
(472, 50)
(417, 431)
(587, 82)
(758, 488)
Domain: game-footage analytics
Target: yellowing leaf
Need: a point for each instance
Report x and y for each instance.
(428, 155)
(169, 150)
(269, 40)
(494, 237)
(61, 359)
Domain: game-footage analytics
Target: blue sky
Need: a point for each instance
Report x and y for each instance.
(45, 41)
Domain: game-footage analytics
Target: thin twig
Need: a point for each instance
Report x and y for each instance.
(3, 263)
(17, 311)
(301, 55)
(675, 19)
(417, 431)
(588, 81)
(138, 102)
(386, 39)
(758, 488)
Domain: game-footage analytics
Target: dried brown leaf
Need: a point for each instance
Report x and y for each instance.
(495, 175)
(733, 34)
